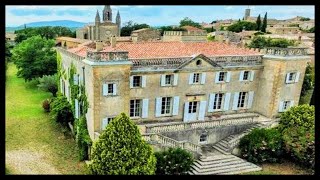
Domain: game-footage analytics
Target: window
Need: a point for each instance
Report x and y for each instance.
(217, 101)
(291, 75)
(193, 107)
(242, 97)
(166, 105)
(245, 75)
(135, 108)
(222, 76)
(136, 81)
(198, 62)
(196, 77)
(286, 105)
(110, 119)
(203, 138)
(110, 89)
(168, 79)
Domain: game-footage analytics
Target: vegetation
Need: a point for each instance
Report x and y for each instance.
(188, 22)
(120, 149)
(82, 137)
(242, 25)
(308, 81)
(262, 42)
(304, 19)
(170, 28)
(258, 22)
(48, 32)
(34, 143)
(262, 145)
(61, 110)
(311, 30)
(293, 25)
(49, 84)
(264, 23)
(7, 52)
(209, 30)
(130, 26)
(173, 162)
(34, 58)
(46, 105)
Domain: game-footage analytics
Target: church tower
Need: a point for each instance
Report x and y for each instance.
(107, 14)
(247, 14)
(97, 24)
(118, 22)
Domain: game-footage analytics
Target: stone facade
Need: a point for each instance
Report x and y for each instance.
(184, 36)
(146, 34)
(283, 30)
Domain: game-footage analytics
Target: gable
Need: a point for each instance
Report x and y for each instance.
(198, 61)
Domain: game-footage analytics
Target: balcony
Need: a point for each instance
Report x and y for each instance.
(107, 56)
(285, 52)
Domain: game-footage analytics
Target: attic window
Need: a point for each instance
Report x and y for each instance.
(198, 62)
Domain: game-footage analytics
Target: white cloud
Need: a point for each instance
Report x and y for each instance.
(228, 8)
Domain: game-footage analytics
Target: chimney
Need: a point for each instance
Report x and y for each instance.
(113, 41)
(99, 45)
(227, 41)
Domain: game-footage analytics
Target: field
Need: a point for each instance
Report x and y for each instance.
(35, 144)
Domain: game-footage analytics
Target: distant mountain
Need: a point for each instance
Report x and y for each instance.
(64, 23)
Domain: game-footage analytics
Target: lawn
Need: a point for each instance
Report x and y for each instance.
(35, 144)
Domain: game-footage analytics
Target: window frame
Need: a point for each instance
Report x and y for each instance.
(110, 93)
(218, 101)
(166, 106)
(137, 112)
(192, 108)
(171, 79)
(242, 100)
(248, 76)
(196, 76)
(286, 105)
(224, 76)
(203, 138)
(134, 85)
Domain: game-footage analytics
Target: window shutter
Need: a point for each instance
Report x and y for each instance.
(251, 75)
(281, 106)
(158, 106)
(104, 123)
(186, 112)
(76, 108)
(297, 77)
(287, 78)
(162, 80)
(144, 81)
(211, 102)
(202, 110)
(203, 78)
(114, 89)
(175, 108)
(291, 103)
(235, 101)
(228, 76)
(131, 81)
(175, 79)
(191, 78)
(75, 79)
(217, 77)
(250, 99)
(105, 89)
(226, 101)
(241, 76)
(145, 108)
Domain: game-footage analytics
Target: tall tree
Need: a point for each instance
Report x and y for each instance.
(264, 23)
(7, 52)
(35, 57)
(130, 26)
(258, 22)
(188, 22)
(120, 150)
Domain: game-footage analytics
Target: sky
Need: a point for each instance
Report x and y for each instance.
(152, 15)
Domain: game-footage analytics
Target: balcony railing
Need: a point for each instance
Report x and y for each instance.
(293, 51)
(107, 56)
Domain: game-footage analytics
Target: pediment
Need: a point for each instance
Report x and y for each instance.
(198, 61)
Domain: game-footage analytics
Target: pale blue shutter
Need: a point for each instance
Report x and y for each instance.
(104, 123)
(203, 78)
(144, 81)
(228, 76)
(250, 99)
(76, 108)
(175, 79)
(158, 107)
(105, 89)
(241, 76)
(297, 77)
(145, 108)
(211, 102)
(175, 108)
(75, 79)
(251, 75)
(226, 101)
(191, 78)
(235, 101)
(291, 103)
(131, 81)
(281, 106)
(162, 80)
(186, 112)
(202, 110)
(217, 77)
(287, 78)
(114, 89)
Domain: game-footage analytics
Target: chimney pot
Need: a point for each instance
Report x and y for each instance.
(99, 45)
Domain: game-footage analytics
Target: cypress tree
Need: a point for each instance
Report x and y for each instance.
(264, 23)
(258, 23)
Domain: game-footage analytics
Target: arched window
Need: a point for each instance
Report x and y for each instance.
(203, 138)
(198, 62)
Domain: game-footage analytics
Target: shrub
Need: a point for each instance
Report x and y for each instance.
(262, 145)
(46, 105)
(61, 110)
(49, 84)
(120, 149)
(262, 42)
(173, 162)
(308, 81)
(82, 138)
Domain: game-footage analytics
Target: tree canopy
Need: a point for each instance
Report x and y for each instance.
(188, 22)
(262, 42)
(258, 22)
(7, 52)
(264, 23)
(239, 26)
(130, 26)
(35, 57)
(120, 150)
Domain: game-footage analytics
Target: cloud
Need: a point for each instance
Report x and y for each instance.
(228, 8)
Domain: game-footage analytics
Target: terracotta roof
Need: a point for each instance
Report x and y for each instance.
(191, 28)
(143, 50)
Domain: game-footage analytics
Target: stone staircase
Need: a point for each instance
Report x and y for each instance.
(222, 164)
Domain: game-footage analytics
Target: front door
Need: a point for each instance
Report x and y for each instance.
(194, 110)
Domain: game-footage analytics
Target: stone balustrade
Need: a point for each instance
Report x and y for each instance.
(107, 56)
(199, 124)
(70, 54)
(292, 51)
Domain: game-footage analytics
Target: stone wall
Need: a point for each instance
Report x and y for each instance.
(146, 35)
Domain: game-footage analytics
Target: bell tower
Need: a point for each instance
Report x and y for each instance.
(107, 14)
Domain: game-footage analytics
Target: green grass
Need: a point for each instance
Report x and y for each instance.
(29, 128)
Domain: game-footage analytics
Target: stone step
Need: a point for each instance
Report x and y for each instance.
(215, 158)
(243, 171)
(236, 164)
(221, 150)
(224, 148)
(230, 169)
(220, 161)
(217, 164)
(224, 142)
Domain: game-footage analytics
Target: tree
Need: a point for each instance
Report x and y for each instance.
(129, 27)
(120, 150)
(308, 81)
(61, 110)
(34, 58)
(262, 42)
(304, 19)
(238, 26)
(188, 22)
(173, 162)
(49, 84)
(8, 54)
(258, 23)
(264, 23)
